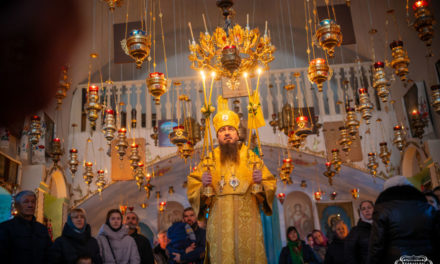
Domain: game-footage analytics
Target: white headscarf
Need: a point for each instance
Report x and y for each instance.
(397, 180)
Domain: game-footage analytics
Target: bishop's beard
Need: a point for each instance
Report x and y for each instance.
(230, 152)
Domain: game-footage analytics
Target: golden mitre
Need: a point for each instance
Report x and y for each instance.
(224, 116)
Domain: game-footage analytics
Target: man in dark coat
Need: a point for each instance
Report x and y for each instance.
(160, 253)
(403, 224)
(196, 252)
(22, 239)
(143, 245)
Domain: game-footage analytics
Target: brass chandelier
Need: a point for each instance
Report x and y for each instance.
(232, 50)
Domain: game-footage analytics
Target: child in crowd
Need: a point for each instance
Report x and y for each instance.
(180, 236)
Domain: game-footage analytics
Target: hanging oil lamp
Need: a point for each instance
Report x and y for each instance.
(380, 82)
(187, 150)
(318, 195)
(88, 173)
(73, 161)
(157, 85)
(121, 143)
(435, 98)
(351, 122)
(328, 36)
(155, 135)
(365, 106)
(63, 87)
(333, 195)
(355, 193)
(139, 175)
(294, 140)
(329, 173)
(35, 130)
(230, 58)
(100, 181)
(345, 140)
(303, 126)
(286, 170)
(179, 136)
(274, 123)
(384, 153)
(109, 128)
(424, 21)
(137, 46)
(399, 139)
(400, 60)
(112, 4)
(148, 187)
(93, 106)
(162, 206)
(134, 156)
(417, 124)
(319, 72)
(372, 163)
(171, 190)
(336, 160)
(303, 184)
(281, 197)
(56, 151)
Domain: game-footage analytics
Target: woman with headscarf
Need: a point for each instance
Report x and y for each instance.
(116, 246)
(75, 241)
(356, 243)
(296, 251)
(335, 251)
(320, 242)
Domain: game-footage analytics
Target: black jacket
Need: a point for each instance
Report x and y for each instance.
(308, 255)
(144, 248)
(198, 254)
(160, 255)
(72, 245)
(23, 241)
(335, 252)
(403, 224)
(356, 243)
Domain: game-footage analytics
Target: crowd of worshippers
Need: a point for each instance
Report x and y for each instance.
(402, 222)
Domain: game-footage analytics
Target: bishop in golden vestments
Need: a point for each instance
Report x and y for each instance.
(234, 231)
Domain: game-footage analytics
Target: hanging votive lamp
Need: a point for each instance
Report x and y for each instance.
(56, 150)
(281, 197)
(417, 124)
(399, 139)
(170, 190)
(137, 46)
(384, 153)
(162, 206)
(88, 173)
(134, 156)
(73, 161)
(230, 58)
(329, 173)
(93, 106)
(148, 187)
(380, 82)
(351, 122)
(344, 140)
(100, 181)
(318, 195)
(112, 4)
(400, 61)
(355, 193)
(35, 130)
(286, 170)
(187, 150)
(336, 160)
(365, 106)
(424, 21)
(179, 136)
(63, 87)
(294, 140)
(303, 126)
(372, 163)
(435, 98)
(121, 143)
(139, 175)
(109, 128)
(274, 123)
(319, 72)
(328, 36)
(303, 184)
(157, 85)
(333, 195)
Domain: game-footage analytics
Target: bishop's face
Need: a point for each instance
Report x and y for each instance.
(227, 135)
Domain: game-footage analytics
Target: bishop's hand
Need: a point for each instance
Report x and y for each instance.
(257, 176)
(206, 178)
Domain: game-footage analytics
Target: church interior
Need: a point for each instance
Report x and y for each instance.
(347, 96)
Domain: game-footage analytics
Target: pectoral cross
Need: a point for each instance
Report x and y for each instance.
(233, 181)
(222, 183)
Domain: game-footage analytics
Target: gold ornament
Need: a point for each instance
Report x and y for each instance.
(63, 87)
(380, 82)
(418, 124)
(318, 195)
(384, 153)
(139, 175)
(351, 122)
(88, 173)
(171, 190)
(435, 98)
(100, 181)
(112, 4)
(93, 105)
(137, 46)
(73, 161)
(372, 163)
(281, 197)
(355, 193)
(400, 60)
(155, 135)
(179, 136)
(424, 21)
(329, 173)
(35, 130)
(134, 156)
(345, 140)
(333, 195)
(109, 126)
(303, 126)
(162, 206)
(285, 171)
(294, 140)
(399, 139)
(336, 160)
(56, 151)
(187, 150)
(121, 143)
(303, 184)
(365, 106)
(328, 36)
(157, 85)
(319, 72)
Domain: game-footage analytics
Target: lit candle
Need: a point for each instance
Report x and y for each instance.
(265, 30)
(74, 150)
(56, 140)
(259, 71)
(93, 88)
(204, 88)
(89, 164)
(415, 112)
(328, 164)
(192, 35)
(35, 117)
(212, 85)
(247, 21)
(204, 22)
(109, 111)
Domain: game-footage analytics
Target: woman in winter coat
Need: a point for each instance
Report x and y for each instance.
(356, 243)
(296, 251)
(320, 243)
(116, 246)
(75, 241)
(335, 251)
